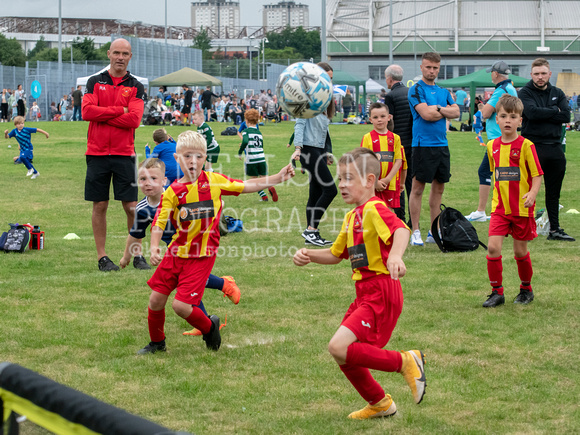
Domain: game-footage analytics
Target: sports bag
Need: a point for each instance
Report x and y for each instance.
(453, 232)
(15, 239)
(230, 131)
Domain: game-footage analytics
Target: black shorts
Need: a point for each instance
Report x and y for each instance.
(186, 110)
(431, 163)
(100, 169)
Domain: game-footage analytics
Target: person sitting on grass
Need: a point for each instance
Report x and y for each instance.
(375, 240)
(517, 177)
(164, 151)
(253, 145)
(213, 148)
(193, 205)
(23, 135)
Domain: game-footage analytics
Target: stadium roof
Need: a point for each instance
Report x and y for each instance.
(451, 21)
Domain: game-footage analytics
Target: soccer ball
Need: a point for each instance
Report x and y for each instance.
(304, 90)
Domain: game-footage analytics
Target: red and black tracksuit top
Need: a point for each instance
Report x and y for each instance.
(111, 131)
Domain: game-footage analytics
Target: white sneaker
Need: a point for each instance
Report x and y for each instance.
(416, 238)
(30, 172)
(35, 175)
(477, 216)
(430, 238)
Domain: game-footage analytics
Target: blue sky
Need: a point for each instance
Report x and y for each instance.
(148, 11)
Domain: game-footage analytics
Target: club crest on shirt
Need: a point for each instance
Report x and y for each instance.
(125, 92)
(203, 187)
(356, 223)
(515, 153)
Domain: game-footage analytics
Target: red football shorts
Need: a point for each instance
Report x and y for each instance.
(187, 275)
(390, 198)
(373, 315)
(520, 227)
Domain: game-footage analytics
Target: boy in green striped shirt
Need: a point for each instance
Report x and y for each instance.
(213, 148)
(253, 145)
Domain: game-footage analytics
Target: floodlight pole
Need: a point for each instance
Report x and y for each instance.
(165, 37)
(60, 46)
(323, 33)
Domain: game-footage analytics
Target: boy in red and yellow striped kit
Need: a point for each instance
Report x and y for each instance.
(517, 177)
(193, 205)
(374, 240)
(387, 146)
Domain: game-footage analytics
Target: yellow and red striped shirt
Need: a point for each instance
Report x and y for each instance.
(366, 238)
(513, 166)
(194, 209)
(388, 149)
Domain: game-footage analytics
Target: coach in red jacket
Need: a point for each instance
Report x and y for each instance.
(113, 104)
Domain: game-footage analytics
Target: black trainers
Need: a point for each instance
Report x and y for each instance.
(153, 347)
(106, 265)
(525, 297)
(213, 338)
(140, 263)
(559, 234)
(312, 237)
(494, 299)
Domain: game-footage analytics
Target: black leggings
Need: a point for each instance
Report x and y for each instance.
(21, 108)
(322, 189)
(553, 162)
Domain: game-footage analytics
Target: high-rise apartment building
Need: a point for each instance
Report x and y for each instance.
(221, 17)
(285, 13)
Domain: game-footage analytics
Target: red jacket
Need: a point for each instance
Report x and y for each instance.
(111, 131)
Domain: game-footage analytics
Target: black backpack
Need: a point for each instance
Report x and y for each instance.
(15, 239)
(453, 232)
(230, 131)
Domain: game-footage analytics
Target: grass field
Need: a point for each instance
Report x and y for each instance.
(505, 370)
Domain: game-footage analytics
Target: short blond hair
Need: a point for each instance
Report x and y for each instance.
(191, 140)
(19, 120)
(510, 104)
(152, 163)
(198, 113)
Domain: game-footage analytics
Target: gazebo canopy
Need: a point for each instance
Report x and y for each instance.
(186, 76)
(345, 78)
(478, 79)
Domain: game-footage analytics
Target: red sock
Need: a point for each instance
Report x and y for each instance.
(362, 380)
(495, 272)
(156, 322)
(525, 270)
(365, 355)
(199, 320)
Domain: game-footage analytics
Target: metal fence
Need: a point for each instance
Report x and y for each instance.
(151, 60)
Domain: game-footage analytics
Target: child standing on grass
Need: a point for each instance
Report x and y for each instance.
(193, 205)
(164, 151)
(478, 124)
(253, 145)
(517, 177)
(387, 146)
(23, 135)
(213, 148)
(374, 239)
